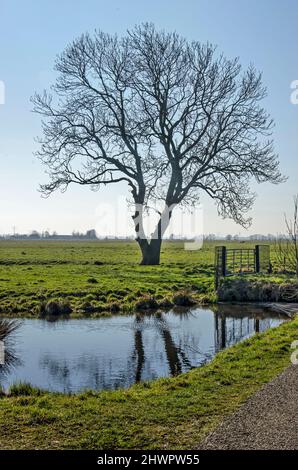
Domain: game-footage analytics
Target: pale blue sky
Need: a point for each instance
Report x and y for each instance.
(33, 32)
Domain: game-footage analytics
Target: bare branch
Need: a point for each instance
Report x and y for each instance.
(170, 118)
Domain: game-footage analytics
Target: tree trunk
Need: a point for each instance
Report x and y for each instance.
(150, 251)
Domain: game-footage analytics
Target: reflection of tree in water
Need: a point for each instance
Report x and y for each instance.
(86, 372)
(97, 372)
(58, 368)
(104, 372)
(139, 347)
(175, 355)
(11, 360)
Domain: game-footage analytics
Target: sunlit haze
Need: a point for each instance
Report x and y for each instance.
(32, 33)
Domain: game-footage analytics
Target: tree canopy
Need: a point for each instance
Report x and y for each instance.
(170, 118)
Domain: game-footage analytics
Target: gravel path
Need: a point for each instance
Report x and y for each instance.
(267, 420)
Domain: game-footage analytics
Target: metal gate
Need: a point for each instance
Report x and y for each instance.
(232, 261)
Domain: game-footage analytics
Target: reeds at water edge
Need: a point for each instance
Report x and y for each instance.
(7, 327)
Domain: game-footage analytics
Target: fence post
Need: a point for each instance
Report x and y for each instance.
(257, 256)
(224, 261)
(220, 264)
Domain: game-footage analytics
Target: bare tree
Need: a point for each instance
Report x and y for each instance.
(169, 118)
(286, 246)
(292, 232)
(282, 250)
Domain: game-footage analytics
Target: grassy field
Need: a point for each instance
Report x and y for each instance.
(174, 413)
(95, 274)
(101, 276)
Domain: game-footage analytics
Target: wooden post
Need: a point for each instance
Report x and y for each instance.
(257, 258)
(220, 263)
(224, 261)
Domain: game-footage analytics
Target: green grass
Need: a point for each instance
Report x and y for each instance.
(99, 277)
(173, 413)
(35, 272)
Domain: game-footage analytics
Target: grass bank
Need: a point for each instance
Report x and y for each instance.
(258, 288)
(173, 413)
(97, 277)
(102, 277)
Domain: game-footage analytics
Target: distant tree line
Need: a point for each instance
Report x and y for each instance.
(91, 235)
(46, 235)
